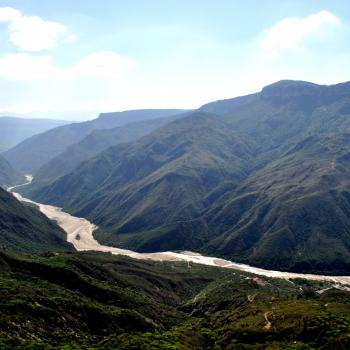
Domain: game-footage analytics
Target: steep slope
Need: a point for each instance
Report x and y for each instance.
(25, 229)
(95, 143)
(286, 112)
(14, 130)
(296, 211)
(8, 176)
(31, 154)
(249, 184)
(166, 177)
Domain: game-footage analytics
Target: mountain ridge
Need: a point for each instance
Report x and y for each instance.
(32, 153)
(94, 143)
(14, 130)
(217, 183)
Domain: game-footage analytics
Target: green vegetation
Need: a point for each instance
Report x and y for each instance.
(299, 217)
(29, 155)
(25, 229)
(99, 301)
(95, 143)
(8, 176)
(263, 181)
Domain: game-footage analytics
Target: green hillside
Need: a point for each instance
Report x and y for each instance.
(29, 155)
(25, 229)
(8, 176)
(100, 301)
(296, 211)
(180, 164)
(93, 144)
(259, 182)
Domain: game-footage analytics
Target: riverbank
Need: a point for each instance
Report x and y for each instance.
(80, 234)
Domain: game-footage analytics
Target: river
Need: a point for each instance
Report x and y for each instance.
(80, 234)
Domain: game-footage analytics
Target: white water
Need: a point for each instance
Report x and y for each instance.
(79, 233)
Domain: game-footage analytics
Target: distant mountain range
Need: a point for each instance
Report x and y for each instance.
(95, 143)
(34, 152)
(261, 179)
(15, 130)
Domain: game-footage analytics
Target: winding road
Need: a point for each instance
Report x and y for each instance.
(80, 234)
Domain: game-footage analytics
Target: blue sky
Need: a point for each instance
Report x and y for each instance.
(92, 56)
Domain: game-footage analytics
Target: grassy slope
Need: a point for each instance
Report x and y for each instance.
(299, 216)
(99, 301)
(25, 229)
(93, 144)
(181, 165)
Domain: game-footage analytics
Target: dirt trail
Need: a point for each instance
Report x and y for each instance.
(251, 297)
(268, 324)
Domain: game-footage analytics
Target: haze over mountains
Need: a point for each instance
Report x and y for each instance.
(96, 142)
(260, 179)
(30, 155)
(14, 130)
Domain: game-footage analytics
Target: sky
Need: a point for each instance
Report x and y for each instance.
(78, 58)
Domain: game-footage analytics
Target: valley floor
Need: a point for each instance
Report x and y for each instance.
(80, 234)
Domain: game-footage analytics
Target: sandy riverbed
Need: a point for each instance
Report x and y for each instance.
(79, 233)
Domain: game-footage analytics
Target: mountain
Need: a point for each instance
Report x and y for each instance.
(8, 176)
(14, 130)
(182, 163)
(262, 179)
(95, 143)
(296, 210)
(25, 229)
(93, 300)
(31, 154)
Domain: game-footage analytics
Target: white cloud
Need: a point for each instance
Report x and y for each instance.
(292, 32)
(31, 33)
(9, 14)
(107, 64)
(25, 66)
(72, 37)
